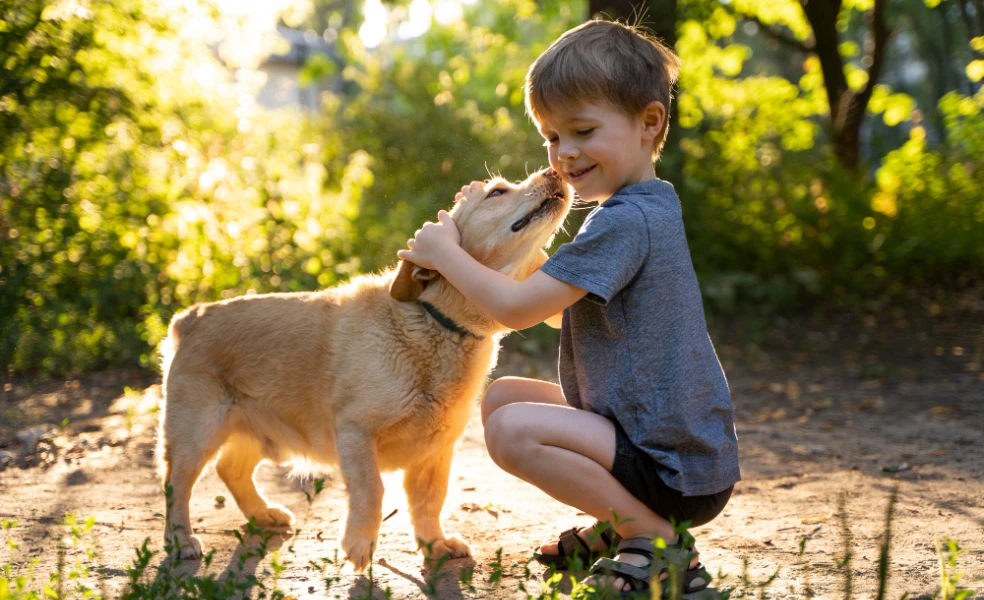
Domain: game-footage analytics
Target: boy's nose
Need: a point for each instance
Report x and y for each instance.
(567, 153)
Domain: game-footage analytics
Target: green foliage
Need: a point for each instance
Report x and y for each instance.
(137, 177)
(136, 181)
(438, 111)
(79, 567)
(772, 220)
(950, 588)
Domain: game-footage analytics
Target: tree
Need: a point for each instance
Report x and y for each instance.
(826, 20)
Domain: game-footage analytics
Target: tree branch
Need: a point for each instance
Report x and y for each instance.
(806, 47)
(822, 15)
(968, 22)
(848, 128)
(880, 33)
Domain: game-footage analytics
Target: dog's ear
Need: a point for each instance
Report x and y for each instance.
(410, 282)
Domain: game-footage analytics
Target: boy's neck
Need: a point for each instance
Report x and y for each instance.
(647, 175)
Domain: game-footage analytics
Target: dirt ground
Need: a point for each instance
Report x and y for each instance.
(827, 411)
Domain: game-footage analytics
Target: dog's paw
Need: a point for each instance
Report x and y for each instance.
(275, 516)
(358, 551)
(186, 547)
(451, 546)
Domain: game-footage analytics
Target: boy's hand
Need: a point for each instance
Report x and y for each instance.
(431, 241)
(467, 189)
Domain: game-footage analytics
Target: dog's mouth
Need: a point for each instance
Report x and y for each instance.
(543, 208)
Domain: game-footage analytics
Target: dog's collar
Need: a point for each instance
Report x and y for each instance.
(447, 321)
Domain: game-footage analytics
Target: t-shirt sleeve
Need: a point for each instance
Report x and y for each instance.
(606, 254)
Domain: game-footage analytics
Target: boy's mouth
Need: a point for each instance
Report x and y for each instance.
(579, 174)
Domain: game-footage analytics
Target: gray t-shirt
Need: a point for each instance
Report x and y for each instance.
(635, 349)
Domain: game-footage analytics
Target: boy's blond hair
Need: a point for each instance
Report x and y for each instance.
(608, 62)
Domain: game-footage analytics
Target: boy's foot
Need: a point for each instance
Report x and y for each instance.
(597, 539)
(587, 535)
(644, 561)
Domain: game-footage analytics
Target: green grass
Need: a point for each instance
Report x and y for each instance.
(79, 566)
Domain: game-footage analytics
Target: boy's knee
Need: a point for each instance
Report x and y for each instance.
(502, 439)
(496, 396)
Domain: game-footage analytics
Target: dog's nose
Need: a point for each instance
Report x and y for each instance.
(552, 173)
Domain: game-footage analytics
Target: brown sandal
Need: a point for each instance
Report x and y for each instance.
(571, 546)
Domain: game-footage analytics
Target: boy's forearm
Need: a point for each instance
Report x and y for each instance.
(491, 291)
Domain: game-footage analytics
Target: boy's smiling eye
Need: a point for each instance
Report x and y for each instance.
(585, 131)
(550, 141)
(496, 192)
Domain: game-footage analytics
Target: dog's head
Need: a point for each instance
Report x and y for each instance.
(503, 225)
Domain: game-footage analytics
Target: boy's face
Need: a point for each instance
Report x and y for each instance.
(597, 149)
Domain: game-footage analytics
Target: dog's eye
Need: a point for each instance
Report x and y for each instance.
(496, 192)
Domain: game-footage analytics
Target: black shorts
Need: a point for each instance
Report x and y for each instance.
(636, 470)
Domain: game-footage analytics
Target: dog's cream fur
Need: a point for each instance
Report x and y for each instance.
(358, 376)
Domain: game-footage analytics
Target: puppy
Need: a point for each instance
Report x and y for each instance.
(377, 374)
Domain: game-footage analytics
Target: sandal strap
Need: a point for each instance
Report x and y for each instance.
(637, 545)
(681, 552)
(607, 533)
(569, 541)
(636, 577)
(696, 579)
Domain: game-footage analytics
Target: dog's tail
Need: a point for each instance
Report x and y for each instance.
(180, 326)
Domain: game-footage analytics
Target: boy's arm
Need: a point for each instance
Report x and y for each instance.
(515, 304)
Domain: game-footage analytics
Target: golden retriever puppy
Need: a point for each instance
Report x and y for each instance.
(377, 374)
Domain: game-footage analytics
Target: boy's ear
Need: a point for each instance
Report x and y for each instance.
(410, 282)
(653, 117)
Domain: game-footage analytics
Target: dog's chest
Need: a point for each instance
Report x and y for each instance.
(435, 410)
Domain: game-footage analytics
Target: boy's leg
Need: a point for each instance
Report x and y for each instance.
(569, 453)
(515, 390)
(510, 390)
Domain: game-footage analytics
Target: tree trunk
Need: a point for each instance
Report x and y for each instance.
(847, 108)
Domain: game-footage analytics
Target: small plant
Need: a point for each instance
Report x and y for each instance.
(949, 579)
(433, 567)
(886, 545)
(844, 564)
(78, 566)
(496, 565)
(322, 566)
(466, 576)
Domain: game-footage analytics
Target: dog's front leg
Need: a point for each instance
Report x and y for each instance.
(360, 469)
(426, 485)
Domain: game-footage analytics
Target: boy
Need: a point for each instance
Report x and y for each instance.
(642, 423)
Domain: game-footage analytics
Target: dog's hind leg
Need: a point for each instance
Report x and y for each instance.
(237, 462)
(193, 428)
(426, 485)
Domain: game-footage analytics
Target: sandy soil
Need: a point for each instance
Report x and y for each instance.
(843, 411)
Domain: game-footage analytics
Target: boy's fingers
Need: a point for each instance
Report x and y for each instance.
(410, 243)
(444, 216)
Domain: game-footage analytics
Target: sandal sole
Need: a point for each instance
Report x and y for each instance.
(704, 594)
